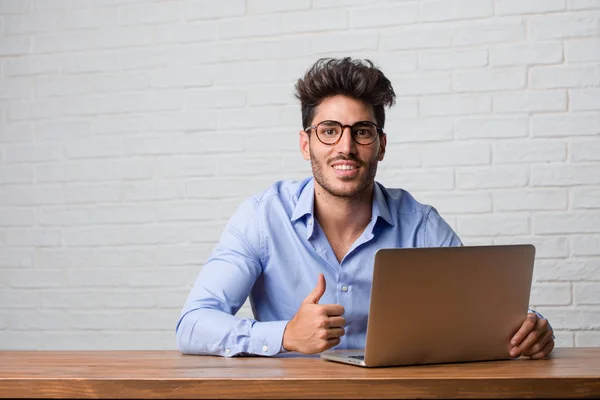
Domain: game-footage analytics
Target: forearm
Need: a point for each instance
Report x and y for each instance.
(210, 331)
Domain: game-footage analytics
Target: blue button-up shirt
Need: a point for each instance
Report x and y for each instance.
(273, 249)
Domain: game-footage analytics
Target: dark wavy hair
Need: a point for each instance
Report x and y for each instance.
(358, 79)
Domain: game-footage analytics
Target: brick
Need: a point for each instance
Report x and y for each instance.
(587, 293)
(551, 294)
(225, 187)
(90, 18)
(258, 165)
(583, 4)
(218, 142)
(254, 72)
(32, 64)
(563, 125)
(153, 13)
(421, 130)
(191, 32)
(153, 190)
(491, 127)
(16, 7)
(36, 279)
(192, 121)
(566, 76)
(398, 62)
(526, 54)
(567, 25)
(17, 258)
(20, 195)
(458, 203)
(58, 42)
(104, 62)
(272, 6)
(588, 150)
(263, 117)
(565, 175)
(94, 147)
(424, 83)
(20, 340)
(442, 60)
(206, 9)
(546, 247)
(93, 193)
(33, 153)
(183, 77)
(493, 225)
(582, 50)
(170, 144)
(406, 107)
(416, 180)
(492, 177)
(189, 211)
(125, 235)
(124, 36)
(529, 151)
(444, 10)
(17, 216)
(516, 7)
(96, 170)
(501, 30)
(438, 154)
(268, 95)
(97, 215)
(530, 101)
(584, 99)
(585, 197)
(15, 46)
(587, 339)
(214, 98)
(391, 14)
(159, 277)
(36, 237)
(207, 232)
(65, 130)
(588, 245)
(346, 41)
(530, 200)
(339, 3)
(17, 132)
(32, 22)
(91, 84)
(572, 222)
(454, 104)
(19, 298)
(177, 167)
(570, 318)
(490, 80)
(415, 37)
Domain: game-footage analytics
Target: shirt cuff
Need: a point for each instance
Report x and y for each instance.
(266, 338)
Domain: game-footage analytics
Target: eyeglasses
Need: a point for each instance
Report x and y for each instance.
(330, 132)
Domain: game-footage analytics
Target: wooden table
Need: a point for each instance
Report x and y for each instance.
(570, 372)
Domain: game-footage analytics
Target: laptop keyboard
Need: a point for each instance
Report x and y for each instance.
(357, 357)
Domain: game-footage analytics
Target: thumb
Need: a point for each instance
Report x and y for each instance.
(316, 294)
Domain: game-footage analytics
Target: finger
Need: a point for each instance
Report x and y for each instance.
(524, 330)
(316, 294)
(335, 333)
(540, 329)
(336, 322)
(332, 342)
(333, 310)
(539, 345)
(544, 352)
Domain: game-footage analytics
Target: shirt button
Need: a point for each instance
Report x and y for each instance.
(344, 288)
(265, 348)
(228, 351)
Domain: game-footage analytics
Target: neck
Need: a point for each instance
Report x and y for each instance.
(343, 217)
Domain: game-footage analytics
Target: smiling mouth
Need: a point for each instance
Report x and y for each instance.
(344, 167)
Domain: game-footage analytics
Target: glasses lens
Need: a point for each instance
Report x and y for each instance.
(364, 132)
(329, 131)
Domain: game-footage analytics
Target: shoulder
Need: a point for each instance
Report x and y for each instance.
(401, 202)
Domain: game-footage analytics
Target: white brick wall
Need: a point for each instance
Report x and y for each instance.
(131, 130)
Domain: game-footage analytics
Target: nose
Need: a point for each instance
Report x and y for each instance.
(346, 145)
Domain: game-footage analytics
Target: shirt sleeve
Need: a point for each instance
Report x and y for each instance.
(208, 324)
(438, 233)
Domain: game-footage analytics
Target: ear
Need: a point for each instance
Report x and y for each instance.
(304, 145)
(382, 144)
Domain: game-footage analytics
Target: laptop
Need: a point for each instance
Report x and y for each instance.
(444, 305)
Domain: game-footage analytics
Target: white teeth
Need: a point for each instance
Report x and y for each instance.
(344, 167)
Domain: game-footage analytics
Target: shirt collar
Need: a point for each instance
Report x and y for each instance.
(306, 199)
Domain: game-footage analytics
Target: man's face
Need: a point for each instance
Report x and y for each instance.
(346, 169)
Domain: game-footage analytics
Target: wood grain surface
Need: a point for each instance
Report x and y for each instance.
(569, 372)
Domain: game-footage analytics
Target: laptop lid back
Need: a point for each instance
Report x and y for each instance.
(433, 305)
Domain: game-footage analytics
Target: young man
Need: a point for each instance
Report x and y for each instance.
(323, 230)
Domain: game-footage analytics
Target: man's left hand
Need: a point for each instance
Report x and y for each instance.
(533, 339)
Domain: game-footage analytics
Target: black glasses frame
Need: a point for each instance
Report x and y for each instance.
(314, 127)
